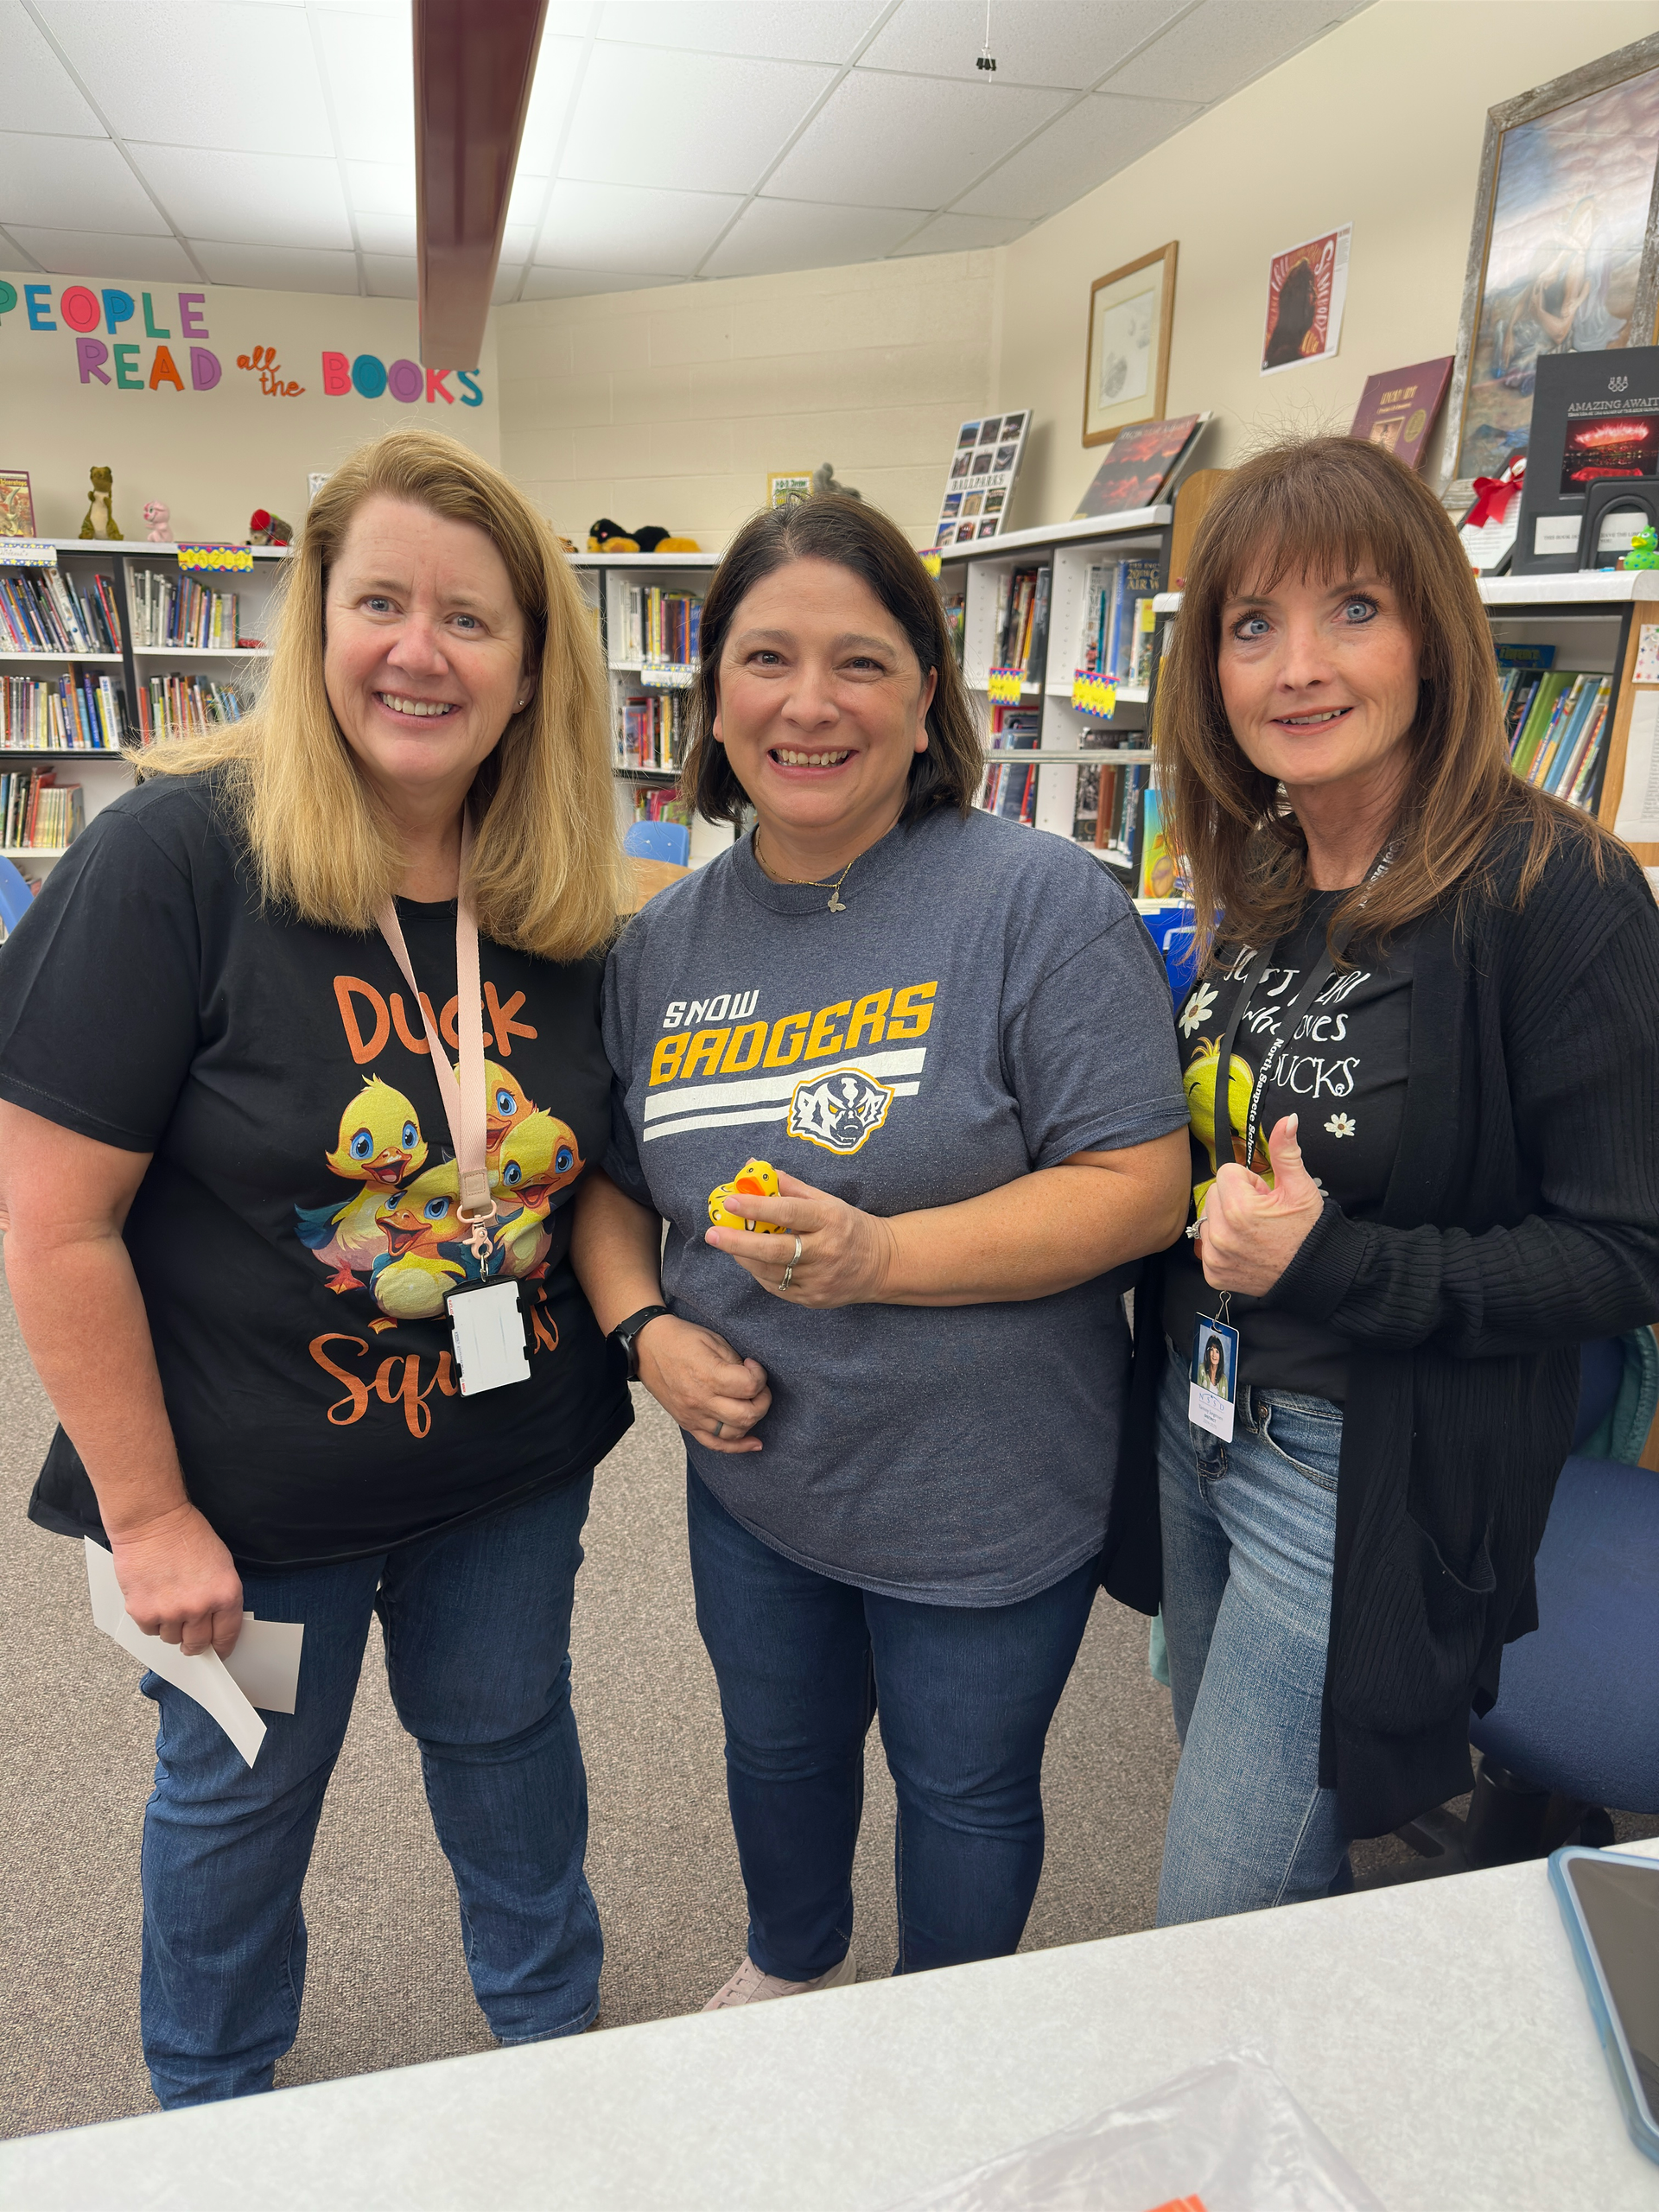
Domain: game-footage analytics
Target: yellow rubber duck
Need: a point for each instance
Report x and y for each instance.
(755, 1179)
(538, 1157)
(1199, 1084)
(379, 1146)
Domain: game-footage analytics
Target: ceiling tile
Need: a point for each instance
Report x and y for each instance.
(785, 30)
(1224, 45)
(577, 283)
(528, 200)
(623, 226)
(255, 198)
(381, 187)
(37, 84)
(507, 280)
(907, 142)
(557, 66)
(197, 73)
(103, 253)
(1102, 135)
(391, 276)
(1067, 42)
(275, 268)
(370, 64)
(694, 122)
(776, 234)
(79, 183)
(964, 234)
(384, 233)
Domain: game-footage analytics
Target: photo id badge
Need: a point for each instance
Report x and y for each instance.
(1215, 1378)
(489, 1332)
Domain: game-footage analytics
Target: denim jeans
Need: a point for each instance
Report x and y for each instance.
(1249, 1534)
(966, 1694)
(477, 1629)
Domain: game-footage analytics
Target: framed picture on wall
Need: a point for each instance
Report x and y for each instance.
(1131, 316)
(1564, 255)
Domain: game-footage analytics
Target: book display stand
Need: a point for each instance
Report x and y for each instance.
(188, 642)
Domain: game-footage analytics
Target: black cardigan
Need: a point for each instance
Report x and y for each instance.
(1521, 1219)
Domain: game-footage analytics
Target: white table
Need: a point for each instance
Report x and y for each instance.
(1437, 2033)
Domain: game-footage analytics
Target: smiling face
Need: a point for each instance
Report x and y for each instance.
(426, 1215)
(1320, 681)
(823, 708)
(425, 658)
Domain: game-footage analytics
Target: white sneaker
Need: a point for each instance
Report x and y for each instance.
(748, 1986)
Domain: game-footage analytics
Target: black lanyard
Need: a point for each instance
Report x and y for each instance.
(1319, 977)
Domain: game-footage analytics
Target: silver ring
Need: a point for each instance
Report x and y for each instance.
(789, 1270)
(719, 1424)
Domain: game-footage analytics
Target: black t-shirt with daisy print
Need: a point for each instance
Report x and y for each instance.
(1344, 1075)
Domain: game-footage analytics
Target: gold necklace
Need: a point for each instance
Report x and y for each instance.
(837, 904)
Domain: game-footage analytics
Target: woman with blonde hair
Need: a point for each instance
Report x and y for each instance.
(1454, 978)
(343, 1365)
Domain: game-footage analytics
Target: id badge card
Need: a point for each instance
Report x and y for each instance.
(489, 1336)
(1215, 1378)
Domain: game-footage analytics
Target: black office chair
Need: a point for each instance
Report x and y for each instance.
(1576, 1725)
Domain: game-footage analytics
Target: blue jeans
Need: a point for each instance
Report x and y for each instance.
(966, 1695)
(1250, 1534)
(477, 1630)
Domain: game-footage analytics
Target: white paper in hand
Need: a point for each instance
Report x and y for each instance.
(272, 1661)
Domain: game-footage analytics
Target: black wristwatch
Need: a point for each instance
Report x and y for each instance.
(625, 1331)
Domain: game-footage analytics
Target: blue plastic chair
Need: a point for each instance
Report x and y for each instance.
(660, 841)
(15, 894)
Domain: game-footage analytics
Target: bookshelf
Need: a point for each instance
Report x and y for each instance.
(1079, 752)
(1594, 622)
(136, 583)
(650, 658)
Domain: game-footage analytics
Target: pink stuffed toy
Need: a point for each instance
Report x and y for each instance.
(159, 518)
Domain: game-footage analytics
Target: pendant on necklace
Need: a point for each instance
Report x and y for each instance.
(837, 906)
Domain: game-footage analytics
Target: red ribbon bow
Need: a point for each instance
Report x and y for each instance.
(1492, 496)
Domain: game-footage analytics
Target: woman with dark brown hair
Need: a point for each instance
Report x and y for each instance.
(1455, 977)
(901, 1400)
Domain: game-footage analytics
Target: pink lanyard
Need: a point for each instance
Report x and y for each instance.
(464, 1103)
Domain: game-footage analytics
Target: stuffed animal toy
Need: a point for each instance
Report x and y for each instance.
(823, 479)
(159, 518)
(608, 536)
(267, 529)
(100, 515)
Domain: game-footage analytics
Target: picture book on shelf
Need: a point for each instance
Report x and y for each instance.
(37, 813)
(17, 504)
(48, 611)
(1143, 464)
(1397, 410)
(1118, 621)
(61, 713)
(980, 484)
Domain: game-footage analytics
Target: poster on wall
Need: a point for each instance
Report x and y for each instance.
(1565, 253)
(1397, 410)
(980, 487)
(1307, 285)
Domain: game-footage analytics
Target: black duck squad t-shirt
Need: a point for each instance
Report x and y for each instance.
(295, 1231)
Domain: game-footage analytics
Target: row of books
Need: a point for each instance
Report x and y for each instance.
(654, 730)
(65, 714)
(37, 814)
(1118, 622)
(47, 611)
(658, 625)
(1021, 638)
(661, 803)
(175, 610)
(185, 705)
(1011, 791)
(1554, 720)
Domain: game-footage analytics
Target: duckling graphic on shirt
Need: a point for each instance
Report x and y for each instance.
(379, 1146)
(427, 1252)
(538, 1157)
(505, 1106)
(1198, 1081)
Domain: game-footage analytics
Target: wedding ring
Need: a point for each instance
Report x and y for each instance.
(719, 1424)
(789, 1270)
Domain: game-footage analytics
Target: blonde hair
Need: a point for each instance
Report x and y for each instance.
(546, 871)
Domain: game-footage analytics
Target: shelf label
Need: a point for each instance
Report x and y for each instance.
(27, 553)
(1093, 694)
(1005, 685)
(668, 675)
(215, 556)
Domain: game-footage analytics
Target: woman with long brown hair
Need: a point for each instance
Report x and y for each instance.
(1421, 1056)
(254, 1217)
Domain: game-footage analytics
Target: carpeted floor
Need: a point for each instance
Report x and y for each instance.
(387, 1986)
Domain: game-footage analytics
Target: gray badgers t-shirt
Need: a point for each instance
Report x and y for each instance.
(988, 1004)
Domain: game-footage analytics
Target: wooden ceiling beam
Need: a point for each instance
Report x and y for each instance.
(474, 64)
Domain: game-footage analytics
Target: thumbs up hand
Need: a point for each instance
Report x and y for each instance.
(1252, 1229)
